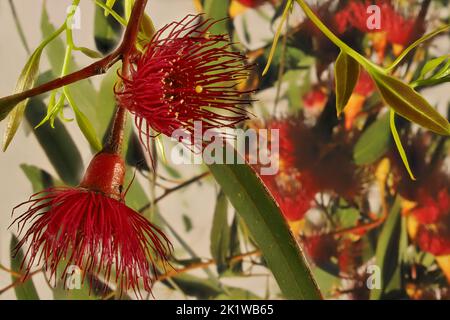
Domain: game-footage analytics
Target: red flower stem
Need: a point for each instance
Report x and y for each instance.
(126, 49)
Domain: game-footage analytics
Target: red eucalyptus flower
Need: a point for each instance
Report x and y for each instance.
(186, 74)
(91, 227)
(252, 3)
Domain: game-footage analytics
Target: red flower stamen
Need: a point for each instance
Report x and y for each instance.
(186, 74)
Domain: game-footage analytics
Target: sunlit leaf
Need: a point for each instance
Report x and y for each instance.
(269, 229)
(57, 143)
(387, 249)
(24, 290)
(409, 104)
(399, 145)
(220, 233)
(346, 74)
(432, 64)
(90, 53)
(373, 143)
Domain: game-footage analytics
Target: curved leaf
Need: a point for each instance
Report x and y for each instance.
(220, 233)
(346, 73)
(398, 143)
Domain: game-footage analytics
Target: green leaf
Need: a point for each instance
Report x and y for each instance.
(277, 35)
(206, 289)
(83, 123)
(431, 65)
(57, 143)
(25, 290)
(26, 81)
(196, 287)
(187, 223)
(109, 4)
(387, 249)
(220, 233)
(398, 143)
(217, 10)
(136, 197)
(39, 178)
(373, 143)
(106, 101)
(415, 44)
(237, 294)
(346, 74)
(268, 227)
(408, 103)
(106, 31)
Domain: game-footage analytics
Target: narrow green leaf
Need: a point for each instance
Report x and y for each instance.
(398, 143)
(26, 81)
(147, 28)
(415, 44)
(373, 143)
(431, 65)
(387, 248)
(83, 92)
(83, 123)
(106, 31)
(346, 74)
(408, 103)
(220, 233)
(109, 4)
(207, 289)
(268, 227)
(89, 52)
(277, 36)
(25, 290)
(217, 10)
(38, 178)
